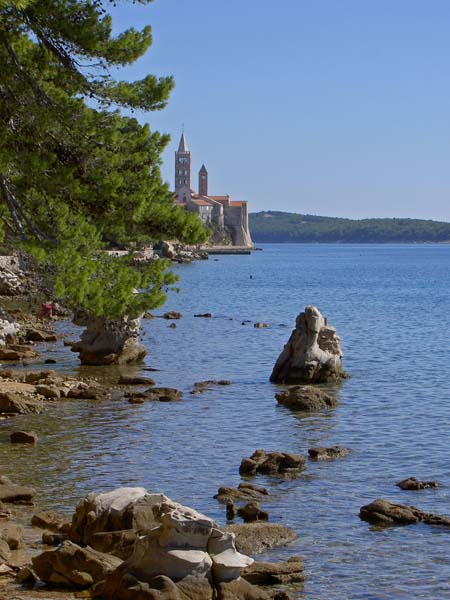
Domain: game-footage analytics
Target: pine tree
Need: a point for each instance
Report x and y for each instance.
(76, 173)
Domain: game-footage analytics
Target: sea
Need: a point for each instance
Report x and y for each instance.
(390, 305)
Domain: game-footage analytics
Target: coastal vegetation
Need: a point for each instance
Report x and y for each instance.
(284, 227)
(78, 174)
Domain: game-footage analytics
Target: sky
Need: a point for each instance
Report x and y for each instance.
(327, 107)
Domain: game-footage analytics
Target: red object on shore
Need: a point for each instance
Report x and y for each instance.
(46, 311)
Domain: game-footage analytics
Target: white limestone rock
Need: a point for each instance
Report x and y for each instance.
(313, 353)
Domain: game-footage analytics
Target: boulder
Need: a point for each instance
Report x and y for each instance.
(51, 520)
(254, 538)
(40, 335)
(17, 353)
(313, 353)
(12, 534)
(5, 551)
(48, 391)
(16, 494)
(321, 453)
(73, 566)
(135, 380)
(10, 283)
(24, 437)
(119, 543)
(231, 511)
(172, 314)
(271, 463)
(184, 558)
(244, 491)
(26, 576)
(22, 404)
(306, 398)
(383, 512)
(108, 341)
(284, 573)
(8, 328)
(121, 509)
(203, 386)
(53, 539)
(251, 512)
(415, 484)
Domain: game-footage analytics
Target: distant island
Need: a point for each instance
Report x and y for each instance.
(283, 227)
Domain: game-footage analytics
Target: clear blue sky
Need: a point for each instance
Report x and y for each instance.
(327, 107)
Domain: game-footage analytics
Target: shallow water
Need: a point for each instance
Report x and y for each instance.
(390, 305)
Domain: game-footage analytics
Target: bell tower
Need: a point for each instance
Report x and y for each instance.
(203, 181)
(182, 165)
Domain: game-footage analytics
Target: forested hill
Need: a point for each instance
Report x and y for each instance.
(275, 226)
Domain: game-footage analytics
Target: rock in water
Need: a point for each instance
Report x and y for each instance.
(313, 353)
(383, 512)
(107, 342)
(184, 557)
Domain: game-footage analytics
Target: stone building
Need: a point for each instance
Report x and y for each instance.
(218, 211)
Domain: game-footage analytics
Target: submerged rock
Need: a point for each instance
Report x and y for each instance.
(414, 484)
(254, 538)
(15, 494)
(313, 353)
(271, 463)
(204, 386)
(306, 398)
(285, 572)
(23, 437)
(135, 380)
(244, 491)
(321, 453)
(383, 512)
(172, 314)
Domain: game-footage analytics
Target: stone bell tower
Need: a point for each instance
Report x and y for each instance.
(203, 181)
(182, 165)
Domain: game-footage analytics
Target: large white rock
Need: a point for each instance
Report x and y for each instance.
(313, 353)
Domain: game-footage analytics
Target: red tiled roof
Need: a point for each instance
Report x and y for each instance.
(201, 202)
(237, 202)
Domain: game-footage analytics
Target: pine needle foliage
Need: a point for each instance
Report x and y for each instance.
(76, 173)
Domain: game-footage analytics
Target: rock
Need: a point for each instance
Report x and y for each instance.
(8, 328)
(254, 538)
(51, 520)
(271, 463)
(48, 391)
(414, 484)
(244, 491)
(203, 386)
(119, 543)
(284, 573)
(121, 509)
(251, 512)
(5, 512)
(383, 512)
(34, 377)
(5, 552)
(15, 403)
(168, 250)
(53, 539)
(10, 283)
(313, 353)
(107, 341)
(260, 325)
(204, 315)
(89, 393)
(24, 437)
(16, 494)
(39, 335)
(306, 398)
(73, 566)
(321, 453)
(163, 394)
(240, 589)
(26, 576)
(172, 314)
(136, 400)
(172, 326)
(17, 353)
(231, 510)
(181, 559)
(12, 534)
(135, 380)
(50, 361)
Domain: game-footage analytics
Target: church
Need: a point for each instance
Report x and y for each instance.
(219, 211)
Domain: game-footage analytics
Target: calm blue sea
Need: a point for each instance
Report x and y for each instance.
(390, 306)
